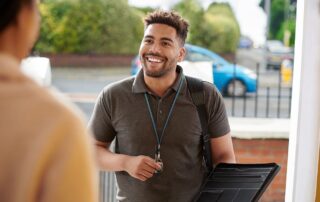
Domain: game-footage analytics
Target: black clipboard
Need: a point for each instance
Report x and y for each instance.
(237, 182)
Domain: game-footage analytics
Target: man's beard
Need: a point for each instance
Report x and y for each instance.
(157, 74)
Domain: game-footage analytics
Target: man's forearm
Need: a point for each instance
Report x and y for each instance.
(225, 158)
(110, 161)
(140, 167)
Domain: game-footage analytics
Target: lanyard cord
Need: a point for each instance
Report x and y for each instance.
(159, 139)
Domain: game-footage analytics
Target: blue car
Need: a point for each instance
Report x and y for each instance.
(230, 79)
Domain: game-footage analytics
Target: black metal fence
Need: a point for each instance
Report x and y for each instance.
(271, 100)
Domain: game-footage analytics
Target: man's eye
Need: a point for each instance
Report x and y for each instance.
(147, 41)
(165, 44)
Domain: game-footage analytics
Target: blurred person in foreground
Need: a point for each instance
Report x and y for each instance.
(158, 151)
(45, 153)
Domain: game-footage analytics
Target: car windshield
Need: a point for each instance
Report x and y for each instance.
(196, 57)
(198, 54)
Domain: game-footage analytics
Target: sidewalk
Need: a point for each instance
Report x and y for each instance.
(242, 128)
(259, 128)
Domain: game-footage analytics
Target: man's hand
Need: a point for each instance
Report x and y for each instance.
(141, 167)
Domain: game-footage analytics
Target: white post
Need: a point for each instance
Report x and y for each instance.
(305, 113)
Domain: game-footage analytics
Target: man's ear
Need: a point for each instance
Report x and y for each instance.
(182, 54)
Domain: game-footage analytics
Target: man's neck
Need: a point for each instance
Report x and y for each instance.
(160, 85)
(9, 44)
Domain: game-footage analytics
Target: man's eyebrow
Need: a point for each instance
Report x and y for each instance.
(162, 39)
(166, 39)
(149, 36)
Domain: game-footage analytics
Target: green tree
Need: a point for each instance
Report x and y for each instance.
(288, 26)
(277, 16)
(95, 26)
(193, 12)
(144, 11)
(224, 26)
(215, 28)
(282, 19)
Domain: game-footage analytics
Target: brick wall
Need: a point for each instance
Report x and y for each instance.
(265, 151)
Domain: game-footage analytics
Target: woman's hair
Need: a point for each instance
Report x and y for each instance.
(9, 10)
(169, 18)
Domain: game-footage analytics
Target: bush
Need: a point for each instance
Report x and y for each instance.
(290, 26)
(95, 26)
(216, 28)
(222, 34)
(191, 11)
(224, 28)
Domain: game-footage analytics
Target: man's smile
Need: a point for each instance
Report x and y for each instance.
(154, 59)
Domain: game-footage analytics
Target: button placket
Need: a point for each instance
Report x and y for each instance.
(160, 115)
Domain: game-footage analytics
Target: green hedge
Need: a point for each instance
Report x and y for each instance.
(224, 28)
(113, 27)
(290, 26)
(215, 28)
(95, 26)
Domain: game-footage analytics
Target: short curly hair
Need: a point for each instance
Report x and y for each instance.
(170, 18)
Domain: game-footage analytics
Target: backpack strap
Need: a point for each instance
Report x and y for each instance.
(195, 87)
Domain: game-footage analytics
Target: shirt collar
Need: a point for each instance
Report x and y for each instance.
(139, 85)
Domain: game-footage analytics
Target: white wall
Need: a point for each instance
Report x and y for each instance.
(305, 115)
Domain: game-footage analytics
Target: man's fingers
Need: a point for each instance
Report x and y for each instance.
(148, 168)
(153, 164)
(146, 174)
(141, 177)
(144, 168)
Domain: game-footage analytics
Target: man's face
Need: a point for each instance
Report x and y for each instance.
(160, 50)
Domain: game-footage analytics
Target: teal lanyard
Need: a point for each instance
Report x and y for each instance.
(159, 138)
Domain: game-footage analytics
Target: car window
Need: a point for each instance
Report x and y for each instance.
(197, 57)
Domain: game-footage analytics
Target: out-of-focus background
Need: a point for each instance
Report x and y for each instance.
(244, 47)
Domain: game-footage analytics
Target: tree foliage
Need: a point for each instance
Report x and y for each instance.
(95, 26)
(113, 27)
(290, 27)
(216, 28)
(282, 19)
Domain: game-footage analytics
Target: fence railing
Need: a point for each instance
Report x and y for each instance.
(269, 101)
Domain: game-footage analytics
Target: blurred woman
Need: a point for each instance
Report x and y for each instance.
(45, 153)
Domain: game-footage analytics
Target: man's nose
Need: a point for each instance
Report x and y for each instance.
(155, 48)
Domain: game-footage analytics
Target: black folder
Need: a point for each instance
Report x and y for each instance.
(237, 182)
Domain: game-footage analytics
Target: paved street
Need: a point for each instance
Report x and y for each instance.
(82, 85)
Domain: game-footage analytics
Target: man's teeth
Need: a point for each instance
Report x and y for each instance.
(154, 60)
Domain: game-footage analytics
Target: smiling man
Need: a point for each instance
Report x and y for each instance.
(158, 151)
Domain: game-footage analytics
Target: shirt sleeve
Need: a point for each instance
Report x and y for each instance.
(100, 122)
(218, 124)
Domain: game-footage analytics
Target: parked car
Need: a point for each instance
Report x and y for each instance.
(38, 68)
(209, 66)
(276, 53)
(245, 42)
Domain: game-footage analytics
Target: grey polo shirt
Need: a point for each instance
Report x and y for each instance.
(121, 112)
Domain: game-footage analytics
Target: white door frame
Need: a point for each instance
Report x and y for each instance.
(303, 154)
